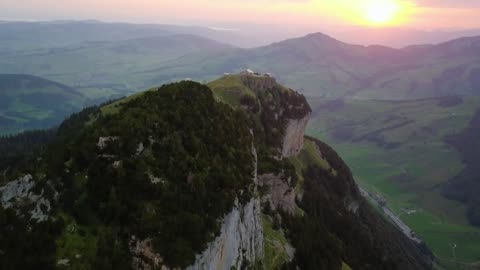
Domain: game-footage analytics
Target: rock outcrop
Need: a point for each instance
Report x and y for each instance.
(144, 257)
(279, 192)
(103, 141)
(241, 237)
(240, 241)
(20, 190)
(293, 138)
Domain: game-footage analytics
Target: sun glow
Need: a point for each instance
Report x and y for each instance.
(381, 11)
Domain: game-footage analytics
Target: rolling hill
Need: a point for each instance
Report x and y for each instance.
(104, 68)
(38, 37)
(30, 102)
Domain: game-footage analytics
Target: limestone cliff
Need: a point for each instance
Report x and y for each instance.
(20, 193)
(240, 241)
(283, 112)
(280, 193)
(293, 138)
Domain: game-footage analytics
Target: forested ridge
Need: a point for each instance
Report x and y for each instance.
(167, 166)
(177, 161)
(361, 238)
(17, 148)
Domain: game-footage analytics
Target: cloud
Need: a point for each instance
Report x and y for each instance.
(420, 13)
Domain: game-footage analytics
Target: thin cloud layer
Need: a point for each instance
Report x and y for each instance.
(423, 14)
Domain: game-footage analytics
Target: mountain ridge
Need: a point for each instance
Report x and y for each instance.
(187, 176)
(321, 66)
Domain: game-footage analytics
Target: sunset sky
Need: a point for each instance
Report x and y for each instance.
(421, 14)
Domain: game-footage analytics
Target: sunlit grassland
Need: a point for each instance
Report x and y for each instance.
(230, 89)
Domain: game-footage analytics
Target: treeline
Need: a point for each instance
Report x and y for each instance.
(76, 122)
(15, 149)
(21, 148)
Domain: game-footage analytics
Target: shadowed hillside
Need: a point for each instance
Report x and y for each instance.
(30, 102)
(397, 150)
(465, 186)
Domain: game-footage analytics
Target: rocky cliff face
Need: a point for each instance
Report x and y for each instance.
(279, 192)
(20, 192)
(241, 239)
(293, 138)
(333, 211)
(284, 112)
(240, 242)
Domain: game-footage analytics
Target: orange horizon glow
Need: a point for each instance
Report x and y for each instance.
(381, 11)
(376, 13)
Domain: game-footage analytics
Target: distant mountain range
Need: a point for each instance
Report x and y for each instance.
(98, 59)
(398, 37)
(319, 65)
(102, 61)
(244, 35)
(117, 59)
(24, 37)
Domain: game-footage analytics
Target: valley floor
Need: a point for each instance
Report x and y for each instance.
(398, 151)
(436, 220)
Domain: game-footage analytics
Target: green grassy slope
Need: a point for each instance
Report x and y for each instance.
(398, 149)
(28, 102)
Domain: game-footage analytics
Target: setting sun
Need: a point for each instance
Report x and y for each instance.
(381, 11)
